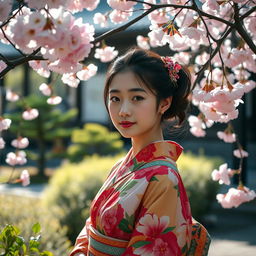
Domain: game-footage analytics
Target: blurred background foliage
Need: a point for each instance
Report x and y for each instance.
(93, 138)
(73, 187)
(24, 212)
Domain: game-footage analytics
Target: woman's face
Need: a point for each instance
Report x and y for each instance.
(132, 108)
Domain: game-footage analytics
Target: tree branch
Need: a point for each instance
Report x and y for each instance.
(190, 7)
(216, 50)
(240, 29)
(124, 27)
(22, 60)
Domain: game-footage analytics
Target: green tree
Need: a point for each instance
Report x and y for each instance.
(48, 129)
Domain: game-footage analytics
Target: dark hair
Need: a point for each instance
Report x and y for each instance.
(149, 68)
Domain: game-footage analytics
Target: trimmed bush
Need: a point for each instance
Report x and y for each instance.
(93, 138)
(73, 187)
(196, 174)
(24, 213)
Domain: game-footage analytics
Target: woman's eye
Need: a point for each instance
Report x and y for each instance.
(114, 99)
(138, 98)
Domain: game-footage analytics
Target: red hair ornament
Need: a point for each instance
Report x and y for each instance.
(173, 68)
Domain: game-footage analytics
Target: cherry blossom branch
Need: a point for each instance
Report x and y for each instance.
(12, 16)
(22, 60)
(206, 27)
(216, 50)
(240, 29)
(123, 27)
(13, 45)
(190, 7)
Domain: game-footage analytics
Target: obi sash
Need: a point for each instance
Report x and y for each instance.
(101, 245)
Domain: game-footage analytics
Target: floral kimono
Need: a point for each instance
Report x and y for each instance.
(142, 207)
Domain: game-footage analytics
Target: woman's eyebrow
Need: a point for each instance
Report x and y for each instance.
(130, 90)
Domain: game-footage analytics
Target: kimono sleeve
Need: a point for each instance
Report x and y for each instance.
(81, 245)
(162, 226)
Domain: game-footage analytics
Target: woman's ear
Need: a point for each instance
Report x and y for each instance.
(165, 104)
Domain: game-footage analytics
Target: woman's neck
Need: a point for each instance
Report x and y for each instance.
(139, 143)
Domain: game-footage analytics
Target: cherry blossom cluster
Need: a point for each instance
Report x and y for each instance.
(18, 157)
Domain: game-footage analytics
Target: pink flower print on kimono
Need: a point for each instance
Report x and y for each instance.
(159, 239)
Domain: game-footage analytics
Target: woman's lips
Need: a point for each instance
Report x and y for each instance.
(126, 124)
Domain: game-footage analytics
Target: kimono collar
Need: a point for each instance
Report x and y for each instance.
(164, 149)
(159, 150)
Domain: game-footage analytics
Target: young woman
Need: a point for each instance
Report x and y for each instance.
(142, 208)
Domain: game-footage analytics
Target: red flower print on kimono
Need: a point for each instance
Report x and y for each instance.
(111, 218)
(149, 172)
(159, 240)
(146, 154)
(99, 201)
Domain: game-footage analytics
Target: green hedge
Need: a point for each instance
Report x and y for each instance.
(73, 186)
(93, 138)
(72, 189)
(24, 213)
(195, 171)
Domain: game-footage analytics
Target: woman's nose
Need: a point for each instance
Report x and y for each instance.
(124, 110)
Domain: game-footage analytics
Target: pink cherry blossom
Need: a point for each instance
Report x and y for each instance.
(198, 132)
(41, 67)
(2, 143)
(36, 4)
(156, 36)
(236, 197)
(4, 123)
(158, 16)
(45, 89)
(18, 158)
(25, 178)
(222, 175)
(143, 42)
(5, 9)
(87, 72)
(54, 100)
(192, 33)
(182, 57)
(118, 17)
(202, 58)
(123, 5)
(11, 96)
(240, 153)
(2, 65)
(106, 54)
(226, 136)
(70, 79)
(20, 142)
(78, 6)
(100, 19)
(30, 114)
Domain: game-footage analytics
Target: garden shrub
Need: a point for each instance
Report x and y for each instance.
(196, 174)
(73, 187)
(24, 212)
(91, 139)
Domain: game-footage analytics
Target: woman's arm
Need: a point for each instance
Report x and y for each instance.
(81, 245)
